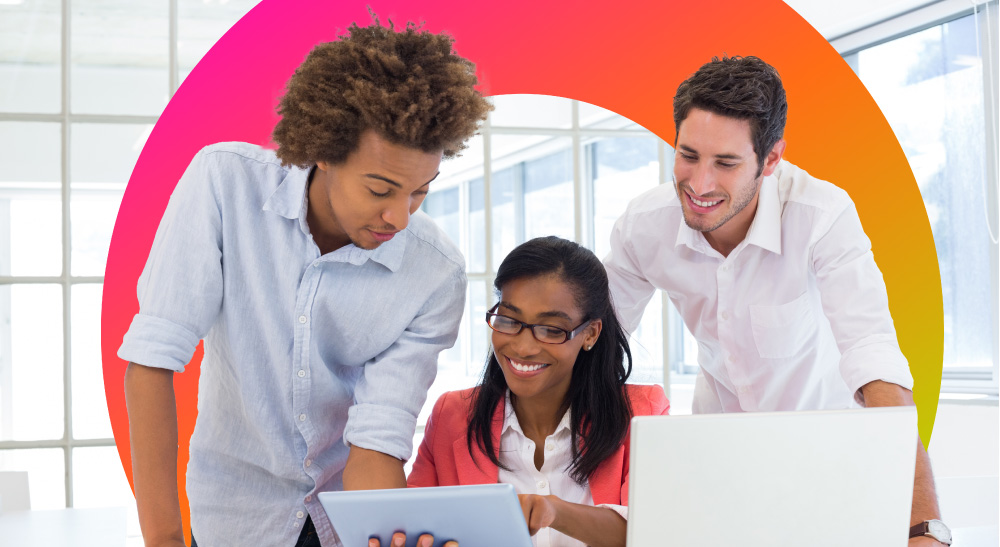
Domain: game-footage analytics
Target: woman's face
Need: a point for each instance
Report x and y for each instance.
(534, 369)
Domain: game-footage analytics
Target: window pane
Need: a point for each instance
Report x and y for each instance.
(622, 168)
(98, 478)
(30, 52)
(531, 111)
(31, 346)
(929, 85)
(120, 57)
(200, 24)
(102, 158)
(90, 407)
(507, 231)
(548, 195)
(646, 344)
(30, 198)
(476, 257)
(443, 207)
(46, 469)
(480, 300)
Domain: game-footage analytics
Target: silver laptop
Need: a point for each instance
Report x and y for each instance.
(816, 478)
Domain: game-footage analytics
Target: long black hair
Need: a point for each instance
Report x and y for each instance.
(599, 408)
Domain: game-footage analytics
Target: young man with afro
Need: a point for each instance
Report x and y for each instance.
(323, 296)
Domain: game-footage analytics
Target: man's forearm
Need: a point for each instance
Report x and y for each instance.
(925, 505)
(152, 412)
(372, 470)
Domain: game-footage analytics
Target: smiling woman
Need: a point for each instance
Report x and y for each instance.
(551, 414)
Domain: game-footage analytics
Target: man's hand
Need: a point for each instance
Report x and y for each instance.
(539, 511)
(399, 540)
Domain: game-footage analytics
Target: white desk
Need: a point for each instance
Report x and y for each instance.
(64, 527)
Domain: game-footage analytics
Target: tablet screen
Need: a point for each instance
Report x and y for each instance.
(486, 515)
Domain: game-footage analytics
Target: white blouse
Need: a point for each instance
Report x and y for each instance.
(517, 453)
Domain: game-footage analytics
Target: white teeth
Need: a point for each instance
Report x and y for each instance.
(705, 203)
(523, 367)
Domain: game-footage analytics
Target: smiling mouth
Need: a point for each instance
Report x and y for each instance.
(700, 203)
(520, 366)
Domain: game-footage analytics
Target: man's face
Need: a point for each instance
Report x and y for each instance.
(369, 197)
(715, 173)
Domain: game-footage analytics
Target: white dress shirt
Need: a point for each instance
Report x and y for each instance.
(796, 317)
(303, 350)
(517, 453)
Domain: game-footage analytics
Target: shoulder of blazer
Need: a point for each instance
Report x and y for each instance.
(647, 400)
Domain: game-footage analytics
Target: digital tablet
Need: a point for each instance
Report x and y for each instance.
(484, 515)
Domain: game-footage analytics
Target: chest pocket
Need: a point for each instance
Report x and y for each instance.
(785, 330)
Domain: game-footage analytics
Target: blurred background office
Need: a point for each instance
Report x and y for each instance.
(83, 81)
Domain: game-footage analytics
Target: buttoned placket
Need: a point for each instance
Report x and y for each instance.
(301, 380)
(725, 308)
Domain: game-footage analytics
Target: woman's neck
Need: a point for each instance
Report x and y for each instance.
(538, 418)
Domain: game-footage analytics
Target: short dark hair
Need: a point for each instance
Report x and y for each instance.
(745, 88)
(599, 407)
(408, 86)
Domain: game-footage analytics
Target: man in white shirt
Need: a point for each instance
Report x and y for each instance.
(768, 266)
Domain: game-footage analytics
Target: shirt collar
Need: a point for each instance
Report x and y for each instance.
(764, 232)
(290, 200)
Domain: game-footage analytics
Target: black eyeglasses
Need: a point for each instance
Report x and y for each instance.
(545, 334)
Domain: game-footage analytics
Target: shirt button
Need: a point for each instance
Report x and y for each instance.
(302, 319)
(309, 498)
(542, 485)
(743, 389)
(725, 315)
(302, 417)
(308, 463)
(302, 374)
(300, 514)
(550, 447)
(295, 524)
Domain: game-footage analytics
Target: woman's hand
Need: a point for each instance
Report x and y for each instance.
(539, 511)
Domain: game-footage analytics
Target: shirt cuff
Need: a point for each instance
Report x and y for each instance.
(381, 428)
(880, 359)
(155, 342)
(620, 509)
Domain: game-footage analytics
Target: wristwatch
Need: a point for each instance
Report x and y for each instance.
(934, 529)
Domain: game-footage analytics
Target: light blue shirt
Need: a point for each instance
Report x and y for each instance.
(304, 353)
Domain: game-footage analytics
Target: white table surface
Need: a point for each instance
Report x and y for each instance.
(64, 527)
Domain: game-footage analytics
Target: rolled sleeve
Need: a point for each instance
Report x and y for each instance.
(394, 385)
(180, 289)
(857, 305)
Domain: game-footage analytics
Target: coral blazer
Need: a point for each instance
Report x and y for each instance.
(443, 458)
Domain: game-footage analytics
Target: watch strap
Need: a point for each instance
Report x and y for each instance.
(924, 529)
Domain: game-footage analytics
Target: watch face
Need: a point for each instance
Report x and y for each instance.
(939, 531)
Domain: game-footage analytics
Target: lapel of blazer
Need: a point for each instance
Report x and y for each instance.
(466, 464)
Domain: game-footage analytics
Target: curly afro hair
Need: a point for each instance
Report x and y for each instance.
(408, 86)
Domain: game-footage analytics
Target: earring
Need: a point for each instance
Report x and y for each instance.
(587, 348)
